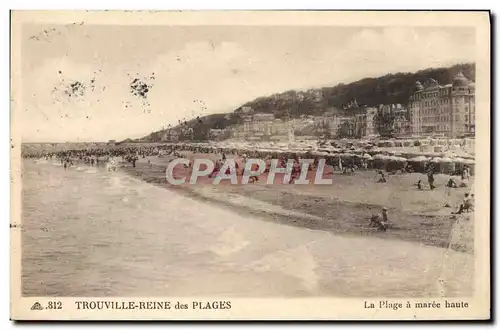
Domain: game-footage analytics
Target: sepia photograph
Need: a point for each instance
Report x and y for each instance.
(208, 160)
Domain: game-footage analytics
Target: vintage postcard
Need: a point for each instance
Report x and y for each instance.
(250, 165)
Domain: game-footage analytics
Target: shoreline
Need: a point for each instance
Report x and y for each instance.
(314, 212)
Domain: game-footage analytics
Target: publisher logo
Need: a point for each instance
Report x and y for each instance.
(36, 307)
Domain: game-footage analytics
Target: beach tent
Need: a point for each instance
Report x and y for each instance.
(436, 161)
(446, 165)
(418, 163)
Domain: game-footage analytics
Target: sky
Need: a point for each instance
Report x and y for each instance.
(197, 70)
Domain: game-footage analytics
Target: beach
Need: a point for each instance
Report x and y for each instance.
(89, 232)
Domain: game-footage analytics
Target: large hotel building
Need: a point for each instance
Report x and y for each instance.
(447, 110)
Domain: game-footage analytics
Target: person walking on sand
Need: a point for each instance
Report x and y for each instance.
(382, 177)
(451, 183)
(466, 205)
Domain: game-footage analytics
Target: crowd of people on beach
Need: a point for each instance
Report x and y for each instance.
(132, 154)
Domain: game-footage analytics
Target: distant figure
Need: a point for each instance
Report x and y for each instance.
(419, 185)
(465, 173)
(451, 183)
(430, 178)
(380, 222)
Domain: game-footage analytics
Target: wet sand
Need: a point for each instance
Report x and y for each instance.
(90, 232)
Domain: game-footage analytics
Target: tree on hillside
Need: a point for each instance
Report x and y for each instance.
(384, 124)
(388, 89)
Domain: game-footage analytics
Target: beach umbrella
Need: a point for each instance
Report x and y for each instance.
(347, 156)
(317, 153)
(436, 161)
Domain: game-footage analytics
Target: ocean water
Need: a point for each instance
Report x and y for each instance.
(89, 232)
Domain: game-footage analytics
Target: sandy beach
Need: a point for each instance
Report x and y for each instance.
(343, 207)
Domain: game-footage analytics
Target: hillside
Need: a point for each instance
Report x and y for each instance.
(391, 88)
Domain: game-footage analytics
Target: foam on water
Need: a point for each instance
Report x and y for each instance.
(113, 235)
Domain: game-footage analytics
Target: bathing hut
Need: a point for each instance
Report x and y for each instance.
(446, 165)
(394, 163)
(471, 164)
(378, 161)
(436, 161)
